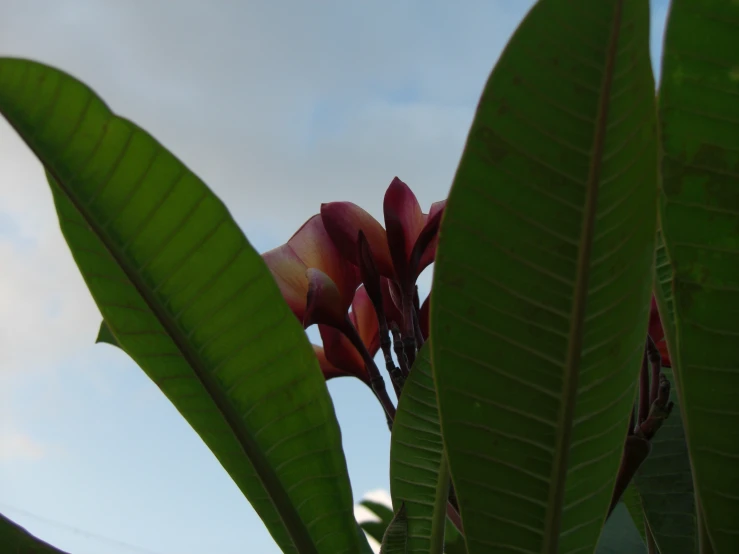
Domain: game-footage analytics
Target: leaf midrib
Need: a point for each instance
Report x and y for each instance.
(296, 529)
(553, 519)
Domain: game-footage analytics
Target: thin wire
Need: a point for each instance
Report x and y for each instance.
(76, 530)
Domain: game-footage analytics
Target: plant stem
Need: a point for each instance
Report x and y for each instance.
(636, 451)
(656, 360)
(453, 514)
(643, 389)
(376, 381)
(417, 319)
(409, 333)
(399, 351)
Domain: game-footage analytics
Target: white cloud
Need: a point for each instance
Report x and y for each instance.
(362, 514)
(243, 94)
(19, 447)
(46, 313)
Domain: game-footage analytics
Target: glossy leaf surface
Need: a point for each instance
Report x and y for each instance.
(699, 207)
(665, 485)
(105, 335)
(395, 540)
(416, 451)
(376, 529)
(192, 302)
(543, 278)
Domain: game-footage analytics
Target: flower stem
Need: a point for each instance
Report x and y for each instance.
(376, 381)
(643, 389)
(399, 351)
(656, 360)
(417, 320)
(409, 333)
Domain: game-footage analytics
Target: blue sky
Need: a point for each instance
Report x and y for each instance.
(278, 108)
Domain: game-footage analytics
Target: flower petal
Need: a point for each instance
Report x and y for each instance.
(329, 370)
(324, 304)
(390, 292)
(341, 354)
(314, 247)
(657, 333)
(364, 318)
(424, 251)
(344, 220)
(288, 271)
(368, 270)
(429, 253)
(310, 247)
(403, 221)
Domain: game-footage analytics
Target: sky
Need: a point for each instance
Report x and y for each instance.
(278, 106)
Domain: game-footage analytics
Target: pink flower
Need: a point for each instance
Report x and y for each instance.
(316, 282)
(338, 357)
(402, 251)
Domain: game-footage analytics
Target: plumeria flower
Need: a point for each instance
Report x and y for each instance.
(316, 281)
(402, 251)
(320, 285)
(657, 334)
(338, 357)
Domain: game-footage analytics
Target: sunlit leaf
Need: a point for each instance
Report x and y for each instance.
(699, 208)
(191, 302)
(416, 453)
(543, 277)
(395, 540)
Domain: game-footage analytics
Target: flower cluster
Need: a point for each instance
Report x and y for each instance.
(356, 280)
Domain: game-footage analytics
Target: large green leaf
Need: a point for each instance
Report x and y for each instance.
(105, 335)
(453, 540)
(664, 482)
(665, 485)
(376, 529)
(395, 540)
(16, 540)
(190, 300)
(543, 277)
(699, 113)
(416, 453)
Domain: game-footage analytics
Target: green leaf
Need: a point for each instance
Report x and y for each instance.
(543, 277)
(664, 481)
(192, 303)
(663, 290)
(17, 540)
(699, 213)
(665, 485)
(633, 503)
(380, 510)
(106, 336)
(620, 534)
(395, 540)
(416, 453)
(376, 529)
